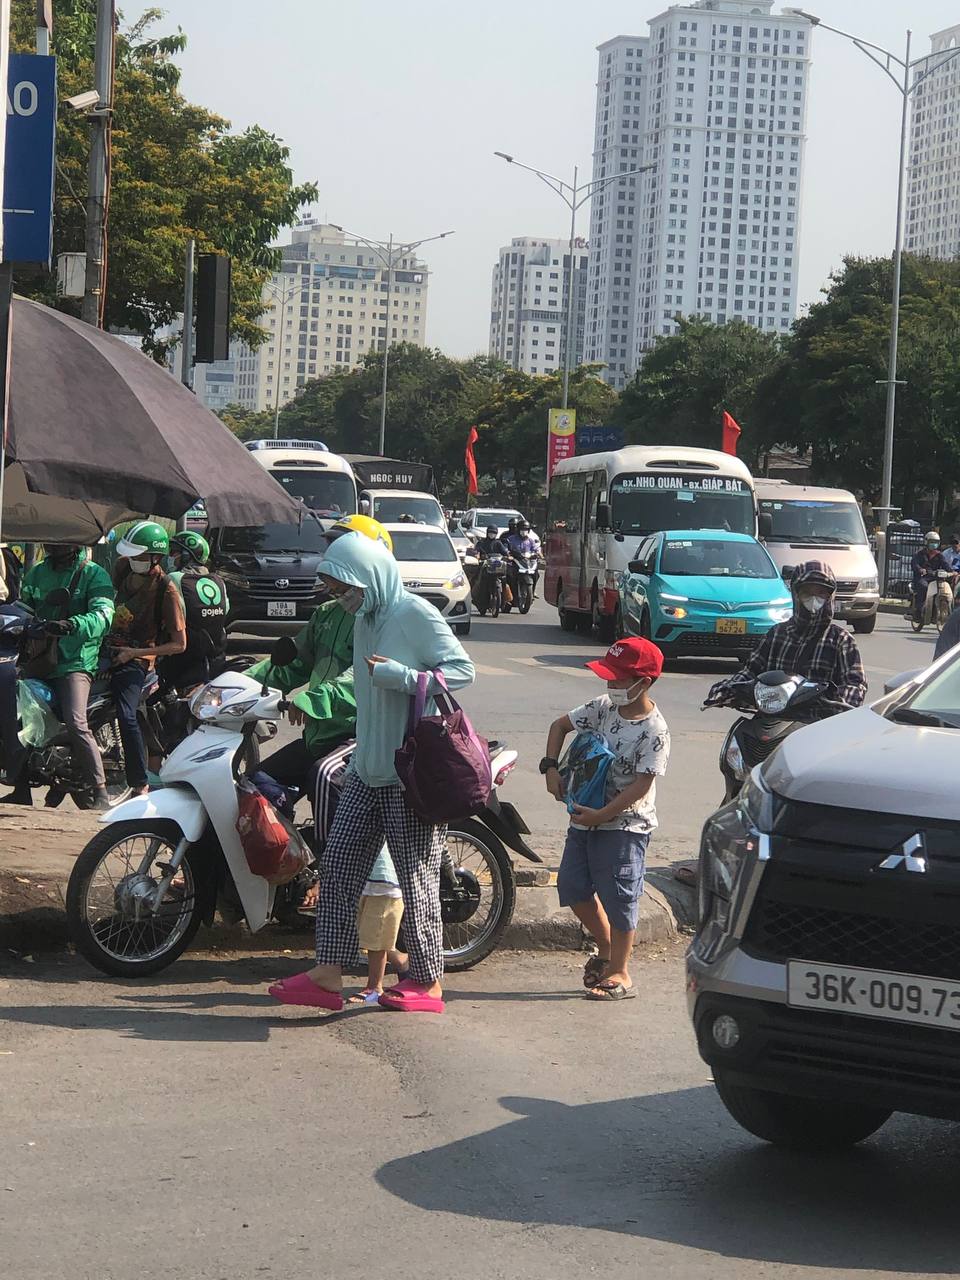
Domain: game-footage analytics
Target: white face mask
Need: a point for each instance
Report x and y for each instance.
(622, 697)
(351, 600)
(813, 604)
(141, 565)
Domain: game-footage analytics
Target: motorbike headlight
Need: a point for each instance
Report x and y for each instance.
(455, 583)
(207, 702)
(870, 584)
(773, 698)
(734, 758)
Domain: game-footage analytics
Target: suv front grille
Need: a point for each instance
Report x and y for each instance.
(848, 588)
(265, 588)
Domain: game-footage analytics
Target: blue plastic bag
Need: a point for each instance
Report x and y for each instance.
(584, 769)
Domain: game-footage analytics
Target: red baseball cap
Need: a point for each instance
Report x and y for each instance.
(632, 657)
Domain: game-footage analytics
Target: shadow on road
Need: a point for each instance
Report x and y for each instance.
(672, 1167)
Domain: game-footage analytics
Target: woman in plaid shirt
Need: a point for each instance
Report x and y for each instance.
(809, 644)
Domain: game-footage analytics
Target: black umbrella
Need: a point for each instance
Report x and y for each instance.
(99, 433)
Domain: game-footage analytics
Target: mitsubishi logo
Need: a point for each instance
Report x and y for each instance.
(911, 856)
(414, 585)
(282, 583)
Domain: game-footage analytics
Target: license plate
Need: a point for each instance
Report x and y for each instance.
(873, 993)
(731, 626)
(281, 609)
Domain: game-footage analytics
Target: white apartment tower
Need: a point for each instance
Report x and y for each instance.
(715, 99)
(325, 309)
(933, 200)
(528, 315)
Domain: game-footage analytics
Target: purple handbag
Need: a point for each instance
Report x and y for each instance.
(443, 765)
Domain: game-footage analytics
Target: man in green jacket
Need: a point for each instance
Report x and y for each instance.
(75, 597)
(320, 665)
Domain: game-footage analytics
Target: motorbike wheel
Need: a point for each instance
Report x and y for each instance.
(485, 881)
(106, 889)
(494, 600)
(942, 612)
(525, 598)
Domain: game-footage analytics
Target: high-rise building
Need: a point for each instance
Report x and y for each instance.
(528, 314)
(325, 309)
(933, 198)
(714, 98)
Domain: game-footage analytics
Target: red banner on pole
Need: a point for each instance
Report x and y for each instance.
(561, 437)
(731, 434)
(472, 438)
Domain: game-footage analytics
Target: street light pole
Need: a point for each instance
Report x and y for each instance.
(906, 86)
(282, 296)
(91, 309)
(580, 193)
(389, 254)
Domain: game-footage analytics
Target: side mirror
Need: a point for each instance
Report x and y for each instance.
(787, 572)
(604, 518)
(364, 505)
(764, 524)
(637, 566)
(898, 681)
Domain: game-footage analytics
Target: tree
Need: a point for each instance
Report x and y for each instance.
(689, 378)
(177, 172)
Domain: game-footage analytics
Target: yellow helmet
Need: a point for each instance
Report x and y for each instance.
(366, 525)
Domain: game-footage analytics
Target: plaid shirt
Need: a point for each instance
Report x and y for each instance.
(822, 653)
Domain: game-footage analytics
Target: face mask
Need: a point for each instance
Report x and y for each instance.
(933, 546)
(351, 600)
(62, 555)
(813, 604)
(622, 697)
(141, 566)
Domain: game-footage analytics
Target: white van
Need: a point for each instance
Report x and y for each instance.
(307, 469)
(390, 506)
(798, 522)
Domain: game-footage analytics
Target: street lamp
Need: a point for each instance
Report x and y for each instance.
(283, 296)
(580, 193)
(389, 254)
(902, 73)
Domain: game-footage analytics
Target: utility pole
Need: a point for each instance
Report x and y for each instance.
(95, 281)
(44, 26)
(186, 341)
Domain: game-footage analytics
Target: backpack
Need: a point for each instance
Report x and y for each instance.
(443, 766)
(204, 595)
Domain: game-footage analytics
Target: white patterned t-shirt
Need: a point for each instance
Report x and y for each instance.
(640, 747)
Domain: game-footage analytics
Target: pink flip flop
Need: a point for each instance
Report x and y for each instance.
(303, 990)
(407, 997)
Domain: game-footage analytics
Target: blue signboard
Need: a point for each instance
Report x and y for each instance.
(28, 172)
(598, 439)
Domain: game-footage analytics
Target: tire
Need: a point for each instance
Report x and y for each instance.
(494, 599)
(941, 611)
(120, 953)
(865, 626)
(800, 1124)
(470, 843)
(462, 629)
(568, 620)
(607, 626)
(524, 597)
(645, 625)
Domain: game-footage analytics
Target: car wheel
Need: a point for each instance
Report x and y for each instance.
(801, 1124)
(462, 629)
(864, 626)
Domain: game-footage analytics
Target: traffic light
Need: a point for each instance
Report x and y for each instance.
(212, 341)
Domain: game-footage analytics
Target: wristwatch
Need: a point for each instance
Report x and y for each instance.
(548, 763)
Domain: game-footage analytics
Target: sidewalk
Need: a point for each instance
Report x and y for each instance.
(38, 848)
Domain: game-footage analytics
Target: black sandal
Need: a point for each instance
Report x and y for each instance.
(593, 970)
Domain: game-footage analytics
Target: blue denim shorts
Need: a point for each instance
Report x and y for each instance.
(609, 864)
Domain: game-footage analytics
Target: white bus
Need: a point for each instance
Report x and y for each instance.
(307, 469)
(602, 504)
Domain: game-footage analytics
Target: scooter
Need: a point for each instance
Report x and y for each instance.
(522, 574)
(938, 604)
(490, 587)
(774, 706)
(164, 862)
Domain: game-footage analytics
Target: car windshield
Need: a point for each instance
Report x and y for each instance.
(646, 503)
(419, 545)
(499, 518)
(709, 558)
(305, 539)
(421, 510)
(836, 523)
(328, 493)
(936, 703)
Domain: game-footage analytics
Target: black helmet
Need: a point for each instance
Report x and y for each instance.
(512, 524)
(523, 526)
(493, 531)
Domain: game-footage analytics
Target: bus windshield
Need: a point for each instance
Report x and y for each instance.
(812, 522)
(645, 503)
(328, 493)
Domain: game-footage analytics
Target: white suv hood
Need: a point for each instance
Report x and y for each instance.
(859, 760)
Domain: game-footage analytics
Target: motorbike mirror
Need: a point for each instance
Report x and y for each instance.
(283, 651)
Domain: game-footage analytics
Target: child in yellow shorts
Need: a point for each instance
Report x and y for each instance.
(378, 927)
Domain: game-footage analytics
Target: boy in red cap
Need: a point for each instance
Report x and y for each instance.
(601, 873)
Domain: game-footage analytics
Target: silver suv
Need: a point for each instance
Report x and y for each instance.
(824, 977)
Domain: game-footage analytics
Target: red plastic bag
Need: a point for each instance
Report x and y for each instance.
(272, 849)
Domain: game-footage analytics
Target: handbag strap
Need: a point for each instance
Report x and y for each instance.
(71, 591)
(444, 699)
(418, 703)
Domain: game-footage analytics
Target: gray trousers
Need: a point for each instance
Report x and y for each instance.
(74, 692)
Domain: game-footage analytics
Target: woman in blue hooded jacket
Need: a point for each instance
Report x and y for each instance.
(397, 637)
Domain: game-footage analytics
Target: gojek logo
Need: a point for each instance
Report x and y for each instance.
(209, 593)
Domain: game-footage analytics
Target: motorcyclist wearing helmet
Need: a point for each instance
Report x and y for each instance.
(203, 596)
(318, 663)
(810, 644)
(76, 598)
(490, 545)
(925, 565)
(523, 539)
(148, 624)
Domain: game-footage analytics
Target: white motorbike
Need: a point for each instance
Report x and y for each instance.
(164, 862)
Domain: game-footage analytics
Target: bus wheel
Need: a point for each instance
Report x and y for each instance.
(608, 626)
(568, 620)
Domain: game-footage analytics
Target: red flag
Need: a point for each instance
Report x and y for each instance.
(471, 462)
(731, 434)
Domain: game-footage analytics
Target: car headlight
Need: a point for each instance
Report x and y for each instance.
(734, 758)
(678, 599)
(674, 611)
(206, 702)
(455, 583)
(870, 584)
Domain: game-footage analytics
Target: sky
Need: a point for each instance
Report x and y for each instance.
(395, 111)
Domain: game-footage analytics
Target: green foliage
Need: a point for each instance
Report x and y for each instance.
(176, 172)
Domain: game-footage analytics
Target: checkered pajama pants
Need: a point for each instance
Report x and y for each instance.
(365, 817)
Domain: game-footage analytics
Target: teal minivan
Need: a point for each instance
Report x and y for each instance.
(702, 591)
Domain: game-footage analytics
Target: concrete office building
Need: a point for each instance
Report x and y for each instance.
(528, 313)
(933, 192)
(715, 98)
